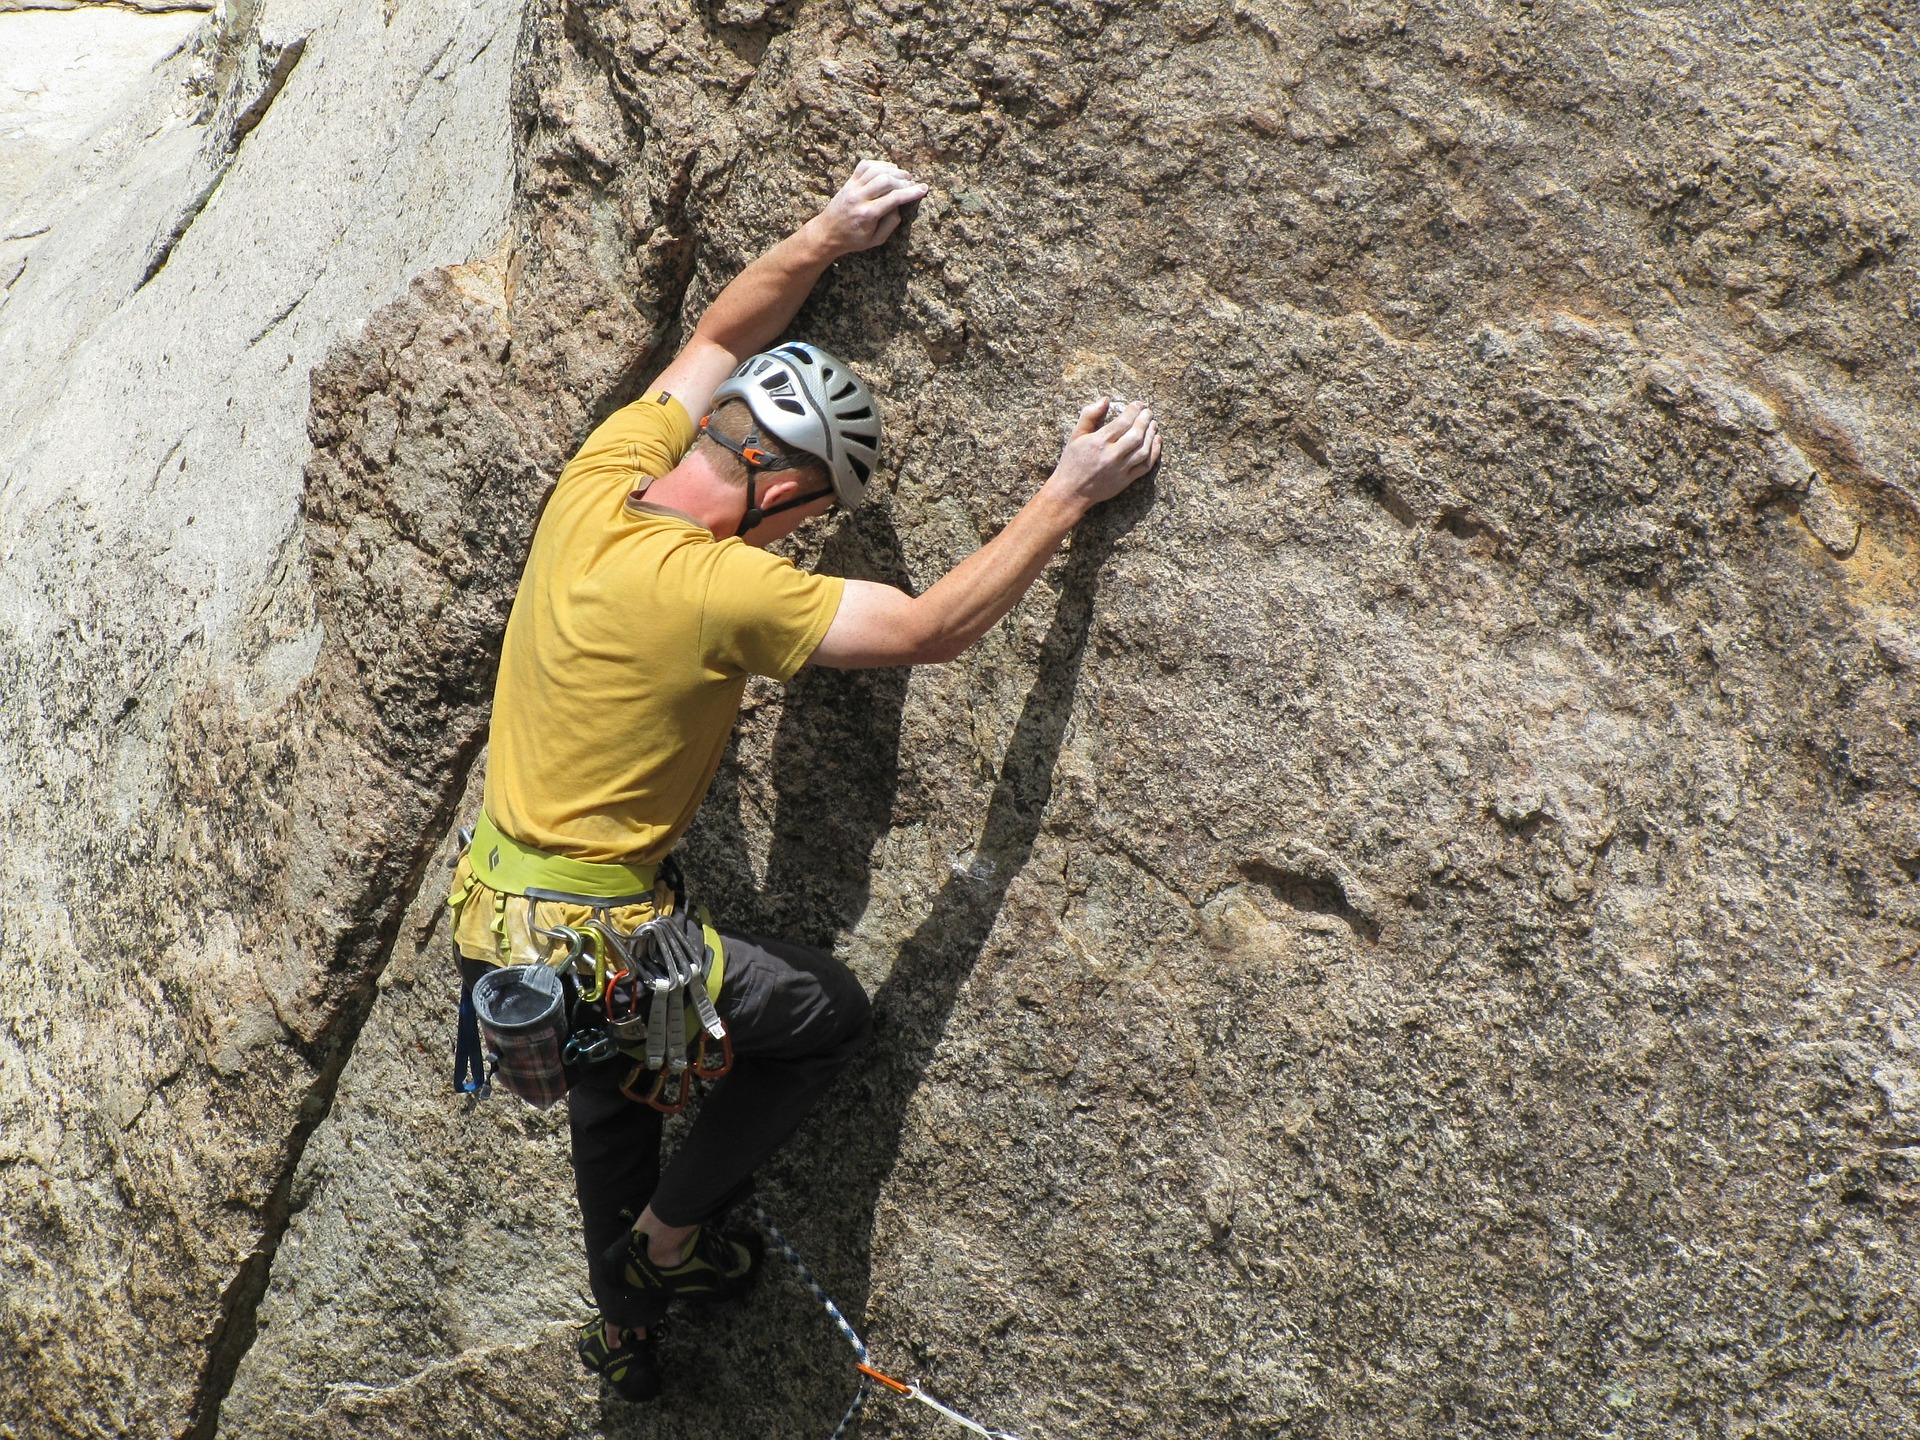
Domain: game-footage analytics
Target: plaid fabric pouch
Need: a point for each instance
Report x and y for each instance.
(523, 1024)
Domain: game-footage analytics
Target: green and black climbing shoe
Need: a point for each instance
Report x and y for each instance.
(632, 1368)
(720, 1265)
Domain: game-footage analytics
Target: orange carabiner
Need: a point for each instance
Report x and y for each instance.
(700, 1066)
(612, 994)
(656, 1095)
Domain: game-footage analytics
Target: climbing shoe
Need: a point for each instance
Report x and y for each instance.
(720, 1265)
(632, 1368)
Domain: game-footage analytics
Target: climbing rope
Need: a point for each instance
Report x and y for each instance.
(760, 1217)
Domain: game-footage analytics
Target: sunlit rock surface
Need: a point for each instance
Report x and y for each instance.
(63, 76)
(1408, 930)
(194, 243)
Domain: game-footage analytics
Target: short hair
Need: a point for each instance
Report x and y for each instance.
(733, 418)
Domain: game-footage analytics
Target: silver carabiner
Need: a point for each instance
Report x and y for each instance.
(696, 983)
(575, 942)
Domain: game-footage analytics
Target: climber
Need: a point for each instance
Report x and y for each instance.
(647, 600)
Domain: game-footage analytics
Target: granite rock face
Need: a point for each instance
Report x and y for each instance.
(1408, 930)
(173, 267)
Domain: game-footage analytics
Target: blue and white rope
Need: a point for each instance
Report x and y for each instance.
(911, 1392)
(760, 1217)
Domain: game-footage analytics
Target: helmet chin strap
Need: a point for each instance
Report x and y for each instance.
(756, 461)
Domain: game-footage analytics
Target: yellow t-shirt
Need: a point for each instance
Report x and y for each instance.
(628, 649)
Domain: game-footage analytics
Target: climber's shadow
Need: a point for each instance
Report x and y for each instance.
(835, 774)
(858, 1128)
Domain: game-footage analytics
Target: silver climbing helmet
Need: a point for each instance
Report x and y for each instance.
(812, 401)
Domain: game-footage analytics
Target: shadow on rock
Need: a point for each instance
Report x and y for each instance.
(830, 1178)
(776, 1367)
(836, 771)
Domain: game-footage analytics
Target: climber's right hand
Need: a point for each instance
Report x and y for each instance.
(1112, 446)
(867, 208)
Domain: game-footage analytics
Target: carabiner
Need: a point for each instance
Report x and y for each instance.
(611, 938)
(693, 967)
(575, 942)
(646, 951)
(655, 1096)
(700, 1066)
(622, 999)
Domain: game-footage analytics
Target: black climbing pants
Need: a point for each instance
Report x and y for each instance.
(796, 1017)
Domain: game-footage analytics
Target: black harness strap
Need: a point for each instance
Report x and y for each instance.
(760, 461)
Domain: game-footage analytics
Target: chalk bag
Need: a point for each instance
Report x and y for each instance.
(523, 1019)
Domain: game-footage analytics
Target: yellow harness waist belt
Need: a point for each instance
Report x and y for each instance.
(574, 892)
(501, 862)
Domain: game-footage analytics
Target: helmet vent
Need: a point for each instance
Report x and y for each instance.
(812, 402)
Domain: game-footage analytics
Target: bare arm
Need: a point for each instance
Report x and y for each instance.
(762, 299)
(879, 625)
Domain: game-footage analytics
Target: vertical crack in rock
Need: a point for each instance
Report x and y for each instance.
(429, 466)
(171, 735)
(427, 472)
(260, 73)
(238, 1326)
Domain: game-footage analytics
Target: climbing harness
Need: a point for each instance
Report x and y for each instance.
(757, 1213)
(647, 991)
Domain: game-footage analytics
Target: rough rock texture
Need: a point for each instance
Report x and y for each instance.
(1409, 930)
(168, 1036)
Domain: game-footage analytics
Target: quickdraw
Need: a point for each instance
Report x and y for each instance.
(643, 982)
(713, 1072)
(911, 1391)
(659, 1097)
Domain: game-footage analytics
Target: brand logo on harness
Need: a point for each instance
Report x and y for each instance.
(493, 858)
